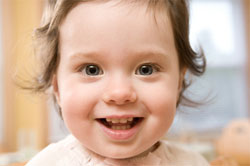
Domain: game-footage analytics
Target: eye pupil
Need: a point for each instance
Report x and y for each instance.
(92, 70)
(146, 70)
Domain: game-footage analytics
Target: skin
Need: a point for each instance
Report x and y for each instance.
(119, 39)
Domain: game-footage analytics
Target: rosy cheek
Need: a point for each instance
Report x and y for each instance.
(72, 100)
(160, 97)
(78, 100)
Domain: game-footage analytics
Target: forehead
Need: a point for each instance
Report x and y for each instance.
(103, 24)
(156, 10)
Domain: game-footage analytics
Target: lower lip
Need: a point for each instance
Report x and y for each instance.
(120, 135)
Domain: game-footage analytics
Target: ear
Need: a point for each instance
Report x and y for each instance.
(56, 89)
(181, 79)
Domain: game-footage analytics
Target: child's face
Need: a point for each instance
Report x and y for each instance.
(117, 65)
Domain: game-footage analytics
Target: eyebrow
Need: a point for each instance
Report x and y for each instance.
(80, 55)
(152, 54)
(146, 54)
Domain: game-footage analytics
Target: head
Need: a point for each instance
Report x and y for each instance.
(117, 69)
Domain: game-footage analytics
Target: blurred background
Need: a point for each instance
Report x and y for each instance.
(28, 122)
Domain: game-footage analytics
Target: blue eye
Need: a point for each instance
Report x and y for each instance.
(92, 70)
(146, 69)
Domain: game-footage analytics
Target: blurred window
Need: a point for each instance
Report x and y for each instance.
(218, 27)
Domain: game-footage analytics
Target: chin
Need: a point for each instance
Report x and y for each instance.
(119, 154)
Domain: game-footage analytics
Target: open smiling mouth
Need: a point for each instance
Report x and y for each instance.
(120, 124)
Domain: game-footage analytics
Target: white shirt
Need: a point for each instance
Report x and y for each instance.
(70, 152)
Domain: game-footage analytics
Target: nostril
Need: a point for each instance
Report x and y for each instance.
(119, 97)
(111, 101)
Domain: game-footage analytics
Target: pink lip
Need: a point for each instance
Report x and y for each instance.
(120, 117)
(120, 135)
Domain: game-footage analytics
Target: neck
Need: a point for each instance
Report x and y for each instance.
(145, 153)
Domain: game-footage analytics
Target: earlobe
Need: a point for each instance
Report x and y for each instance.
(56, 89)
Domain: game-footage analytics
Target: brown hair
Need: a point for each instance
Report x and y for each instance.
(46, 39)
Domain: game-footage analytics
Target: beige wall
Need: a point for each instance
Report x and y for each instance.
(25, 116)
(247, 14)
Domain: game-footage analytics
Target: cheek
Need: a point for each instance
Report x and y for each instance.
(161, 98)
(162, 108)
(77, 100)
(160, 101)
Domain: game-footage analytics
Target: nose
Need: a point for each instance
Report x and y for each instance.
(119, 92)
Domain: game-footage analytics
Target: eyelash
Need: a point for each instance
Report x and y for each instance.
(83, 69)
(155, 67)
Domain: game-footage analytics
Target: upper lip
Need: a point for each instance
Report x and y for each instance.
(120, 116)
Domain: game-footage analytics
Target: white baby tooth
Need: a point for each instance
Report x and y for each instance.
(108, 120)
(113, 127)
(115, 120)
(123, 120)
(130, 119)
(123, 127)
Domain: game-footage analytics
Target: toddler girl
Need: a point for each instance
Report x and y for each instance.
(117, 70)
